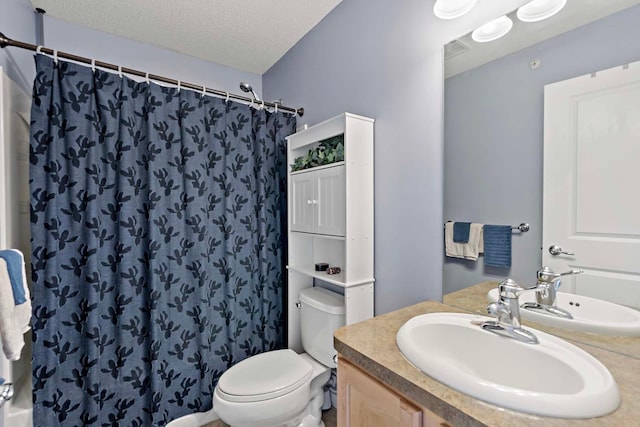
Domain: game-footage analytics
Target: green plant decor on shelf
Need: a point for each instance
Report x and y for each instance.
(330, 150)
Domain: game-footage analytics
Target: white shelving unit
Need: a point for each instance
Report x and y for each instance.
(331, 219)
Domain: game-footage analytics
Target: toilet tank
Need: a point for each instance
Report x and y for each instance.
(322, 313)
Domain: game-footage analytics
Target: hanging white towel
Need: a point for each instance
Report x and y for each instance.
(14, 319)
(469, 250)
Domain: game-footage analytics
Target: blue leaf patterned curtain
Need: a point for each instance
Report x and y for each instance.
(158, 227)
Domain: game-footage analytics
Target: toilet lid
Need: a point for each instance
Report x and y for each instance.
(264, 376)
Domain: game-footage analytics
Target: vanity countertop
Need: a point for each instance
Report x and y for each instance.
(474, 298)
(371, 345)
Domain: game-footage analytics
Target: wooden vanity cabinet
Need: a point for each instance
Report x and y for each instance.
(365, 402)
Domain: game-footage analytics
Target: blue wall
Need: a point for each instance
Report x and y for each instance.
(494, 136)
(383, 59)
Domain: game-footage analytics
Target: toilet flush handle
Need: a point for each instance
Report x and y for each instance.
(298, 305)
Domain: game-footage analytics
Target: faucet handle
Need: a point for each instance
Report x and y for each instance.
(500, 311)
(509, 288)
(545, 274)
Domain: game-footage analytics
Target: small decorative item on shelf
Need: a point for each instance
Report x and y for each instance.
(330, 150)
(322, 266)
(333, 270)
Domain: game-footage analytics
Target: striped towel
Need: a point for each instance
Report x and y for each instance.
(497, 246)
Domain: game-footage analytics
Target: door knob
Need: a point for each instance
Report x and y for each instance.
(557, 250)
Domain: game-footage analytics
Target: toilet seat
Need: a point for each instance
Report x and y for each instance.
(264, 376)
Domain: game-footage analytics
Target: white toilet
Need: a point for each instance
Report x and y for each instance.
(281, 388)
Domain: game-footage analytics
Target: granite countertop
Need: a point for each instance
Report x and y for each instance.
(371, 345)
(474, 298)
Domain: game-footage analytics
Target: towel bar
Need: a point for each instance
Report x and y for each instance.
(523, 227)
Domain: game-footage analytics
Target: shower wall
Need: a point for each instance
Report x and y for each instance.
(15, 109)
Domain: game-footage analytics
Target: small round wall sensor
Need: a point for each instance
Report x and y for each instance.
(534, 63)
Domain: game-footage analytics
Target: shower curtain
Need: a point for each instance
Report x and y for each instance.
(158, 219)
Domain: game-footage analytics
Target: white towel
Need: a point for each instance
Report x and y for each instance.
(469, 250)
(14, 319)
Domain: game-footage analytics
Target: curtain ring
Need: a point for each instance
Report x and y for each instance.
(226, 100)
(120, 70)
(55, 56)
(93, 65)
(39, 50)
(262, 105)
(251, 105)
(276, 109)
(204, 90)
(146, 76)
(179, 86)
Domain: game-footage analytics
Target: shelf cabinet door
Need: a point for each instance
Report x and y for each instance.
(302, 207)
(364, 402)
(330, 194)
(318, 201)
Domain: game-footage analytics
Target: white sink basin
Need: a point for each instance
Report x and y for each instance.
(552, 378)
(589, 314)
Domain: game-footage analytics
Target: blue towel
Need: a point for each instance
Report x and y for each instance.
(497, 245)
(461, 232)
(15, 265)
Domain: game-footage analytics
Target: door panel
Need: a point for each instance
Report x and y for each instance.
(591, 174)
(607, 154)
(621, 289)
(302, 209)
(330, 216)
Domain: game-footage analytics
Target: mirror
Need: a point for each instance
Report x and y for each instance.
(493, 128)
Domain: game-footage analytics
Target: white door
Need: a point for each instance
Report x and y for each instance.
(303, 200)
(592, 182)
(330, 214)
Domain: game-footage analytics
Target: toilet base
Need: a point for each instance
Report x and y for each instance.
(312, 415)
(309, 416)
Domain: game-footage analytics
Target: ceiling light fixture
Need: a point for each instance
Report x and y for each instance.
(492, 30)
(537, 10)
(451, 9)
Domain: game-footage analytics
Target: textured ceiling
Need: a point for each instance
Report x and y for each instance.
(249, 35)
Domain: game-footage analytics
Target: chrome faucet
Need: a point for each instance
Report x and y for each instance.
(507, 312)
(548, 284)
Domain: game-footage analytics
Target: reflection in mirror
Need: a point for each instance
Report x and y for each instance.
(474, 298)
(493, 157)
(464, 54)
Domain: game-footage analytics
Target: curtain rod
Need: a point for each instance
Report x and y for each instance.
(6, 41)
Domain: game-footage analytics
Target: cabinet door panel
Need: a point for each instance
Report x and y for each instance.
(330, 214)
(364, 402)
(303, 202)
